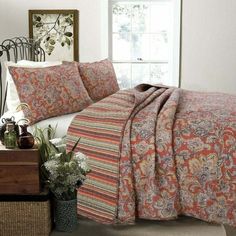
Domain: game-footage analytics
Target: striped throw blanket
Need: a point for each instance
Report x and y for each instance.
(157, 152)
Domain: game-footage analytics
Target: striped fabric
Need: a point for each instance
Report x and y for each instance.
(100, 127)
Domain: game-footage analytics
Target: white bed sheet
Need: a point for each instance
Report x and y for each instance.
(62, 122)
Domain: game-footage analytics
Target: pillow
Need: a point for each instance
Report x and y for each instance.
(13, 100)
(50, 91)
(99, 79)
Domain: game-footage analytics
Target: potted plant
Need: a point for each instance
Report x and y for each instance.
(63, 173)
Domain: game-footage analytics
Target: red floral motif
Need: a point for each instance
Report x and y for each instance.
(50, 91)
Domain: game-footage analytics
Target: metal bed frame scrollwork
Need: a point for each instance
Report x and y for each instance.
(15, 49)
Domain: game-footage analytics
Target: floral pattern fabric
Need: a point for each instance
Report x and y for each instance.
(178, 156)
(205, 153)
(148, 185)
(50, 91)
(99, 79)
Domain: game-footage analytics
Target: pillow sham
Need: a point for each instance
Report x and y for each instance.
(50, 91)
(13, 100)
(99, 79)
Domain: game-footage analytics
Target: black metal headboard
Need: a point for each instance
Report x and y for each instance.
(15, 49)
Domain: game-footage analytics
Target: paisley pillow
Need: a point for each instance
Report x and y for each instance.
(50, 91)
(99, 79)
(12, 96)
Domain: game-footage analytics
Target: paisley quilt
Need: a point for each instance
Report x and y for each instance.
(157, 152)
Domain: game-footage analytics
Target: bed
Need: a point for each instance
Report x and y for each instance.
(156, 152)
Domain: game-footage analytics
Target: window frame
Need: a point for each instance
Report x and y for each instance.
(175, 60)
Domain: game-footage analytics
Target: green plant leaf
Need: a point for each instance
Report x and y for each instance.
(38, 25)
(69, 21)
(50, 48)
(52, 41)
(68, 41)
(68, 34)
(74, 147)
(38, 18)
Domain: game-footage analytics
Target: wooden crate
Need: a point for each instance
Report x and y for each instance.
(19, 171)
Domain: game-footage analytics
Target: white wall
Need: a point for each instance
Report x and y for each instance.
(92, 38)
(208, 40)
(209, 45)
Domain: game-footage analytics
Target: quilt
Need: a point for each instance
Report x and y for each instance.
(157, 152)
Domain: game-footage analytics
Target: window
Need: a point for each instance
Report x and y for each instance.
(144, 41)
